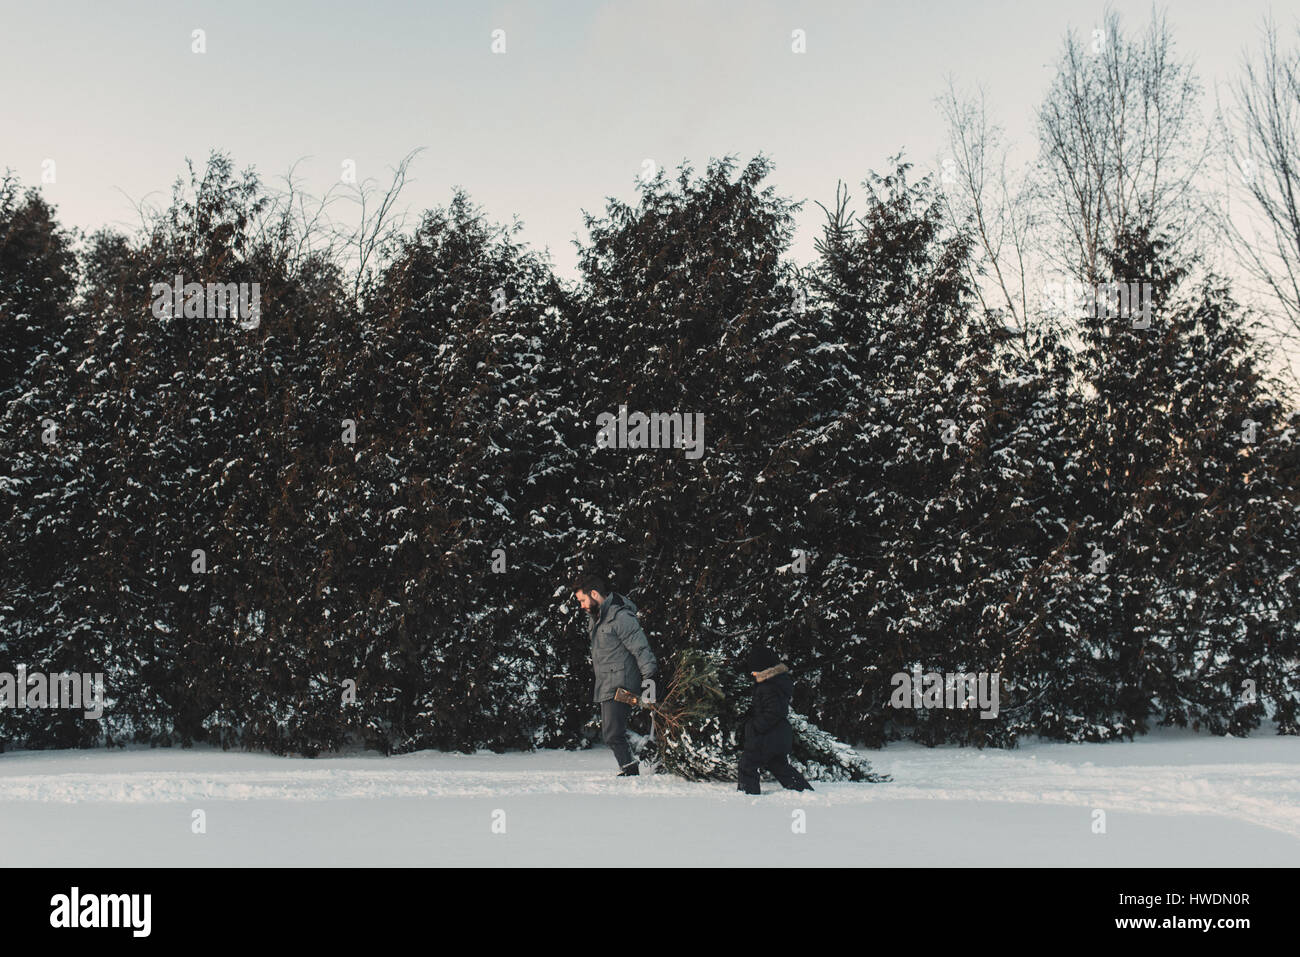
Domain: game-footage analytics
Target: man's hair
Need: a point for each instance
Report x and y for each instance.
(590, 582)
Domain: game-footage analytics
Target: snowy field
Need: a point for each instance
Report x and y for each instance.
(1173, 798)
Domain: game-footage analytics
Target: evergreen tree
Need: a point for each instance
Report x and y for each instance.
(688, 308)
(463, 483)
(356, 521)
(37, 282)
(1187, 598)
(916, 549)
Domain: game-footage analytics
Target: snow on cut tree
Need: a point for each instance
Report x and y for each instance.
(697, 721)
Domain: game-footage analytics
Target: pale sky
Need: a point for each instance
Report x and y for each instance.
(586, 91)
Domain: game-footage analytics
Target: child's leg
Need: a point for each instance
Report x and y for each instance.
(748, 773)
(786, 773)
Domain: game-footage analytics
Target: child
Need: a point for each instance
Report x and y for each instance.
(768, 735)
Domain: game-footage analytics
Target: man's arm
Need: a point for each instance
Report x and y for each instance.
(632, 635)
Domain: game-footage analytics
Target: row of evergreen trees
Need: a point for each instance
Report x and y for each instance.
(358, 521)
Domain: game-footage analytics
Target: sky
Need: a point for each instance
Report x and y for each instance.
(585, 93)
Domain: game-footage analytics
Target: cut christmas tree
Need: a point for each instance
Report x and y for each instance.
(698, 728)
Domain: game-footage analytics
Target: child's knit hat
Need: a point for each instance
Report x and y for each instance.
(760, 659)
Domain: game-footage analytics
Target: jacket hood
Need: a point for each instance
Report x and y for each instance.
(777, 669)
(612, 603)
(783, 682)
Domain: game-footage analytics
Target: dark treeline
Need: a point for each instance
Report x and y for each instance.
(358, 521)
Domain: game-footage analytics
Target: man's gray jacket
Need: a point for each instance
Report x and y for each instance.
(620, 653)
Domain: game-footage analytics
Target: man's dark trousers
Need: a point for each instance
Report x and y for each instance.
(613, 728)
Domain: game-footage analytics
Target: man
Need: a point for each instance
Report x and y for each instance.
(620, 657)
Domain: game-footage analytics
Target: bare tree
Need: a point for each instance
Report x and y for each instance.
(297, 226)
(982, 196)
(378, 224)
(1262, 133)
(1122, 144)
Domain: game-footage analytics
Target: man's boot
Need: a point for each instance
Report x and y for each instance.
(630, 770)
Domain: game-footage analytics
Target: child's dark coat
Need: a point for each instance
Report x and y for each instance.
(768, 734)
(767, 729)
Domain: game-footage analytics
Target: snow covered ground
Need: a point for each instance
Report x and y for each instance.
(1173, 798)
